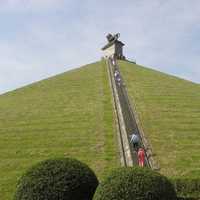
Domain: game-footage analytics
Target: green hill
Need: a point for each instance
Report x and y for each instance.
(66, 115)
(169, 112)
(72, 115)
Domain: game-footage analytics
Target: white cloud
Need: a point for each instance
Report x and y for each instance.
(29, 5)
(67, 33)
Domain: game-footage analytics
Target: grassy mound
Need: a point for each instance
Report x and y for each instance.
(168, 109)
(62, 179)
(67, 115)
(135, 183)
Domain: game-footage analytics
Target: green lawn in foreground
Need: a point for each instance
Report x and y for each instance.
(169, 112)
(68, 115)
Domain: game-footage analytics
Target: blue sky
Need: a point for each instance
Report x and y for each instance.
(41, 38)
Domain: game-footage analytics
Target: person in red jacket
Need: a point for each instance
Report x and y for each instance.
(141, 157)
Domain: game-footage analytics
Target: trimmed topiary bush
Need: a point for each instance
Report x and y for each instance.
(135, 184)
(57, 179)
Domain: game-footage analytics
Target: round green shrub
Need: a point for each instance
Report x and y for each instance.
(135, 184)
(57, 179)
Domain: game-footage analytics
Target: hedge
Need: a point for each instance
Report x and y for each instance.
(187, 187)
(63, 179)
(134, 183)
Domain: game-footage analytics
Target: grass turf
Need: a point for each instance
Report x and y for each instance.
(67, 115)
(169, 112)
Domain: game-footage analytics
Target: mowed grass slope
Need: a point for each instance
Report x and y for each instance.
(67, 115)
(169, 112)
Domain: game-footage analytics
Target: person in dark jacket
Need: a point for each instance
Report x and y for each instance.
(135, 140)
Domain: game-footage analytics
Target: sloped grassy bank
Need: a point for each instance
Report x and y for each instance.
(168, 109)
(69, 114)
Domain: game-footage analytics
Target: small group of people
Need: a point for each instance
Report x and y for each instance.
(113, 60)
(117, 77)
(135, 140)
